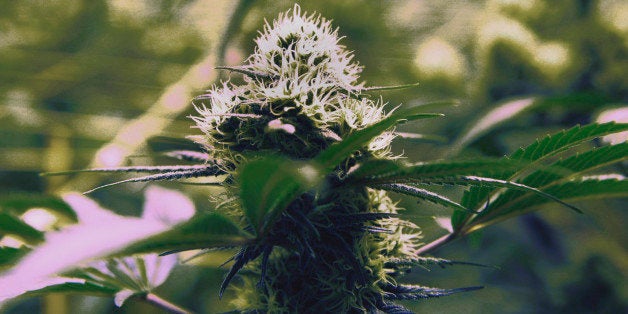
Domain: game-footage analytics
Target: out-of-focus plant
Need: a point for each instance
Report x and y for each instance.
(302, 152)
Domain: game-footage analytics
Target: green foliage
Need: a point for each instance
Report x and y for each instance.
(495, 205)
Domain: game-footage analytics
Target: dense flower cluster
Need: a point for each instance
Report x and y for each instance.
(300, 94)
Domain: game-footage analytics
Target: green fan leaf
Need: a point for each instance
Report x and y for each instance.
(494, 183)
(11, 225)
(206, 231)
(561, 171)
(588, 189)
(553, 144)
(549, 146)
(386, 171)
(578, 164)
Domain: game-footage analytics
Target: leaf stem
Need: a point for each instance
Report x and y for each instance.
(437, 243)
(164, 305)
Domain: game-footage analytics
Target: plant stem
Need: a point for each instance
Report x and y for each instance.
(164, 305)
(436, 243)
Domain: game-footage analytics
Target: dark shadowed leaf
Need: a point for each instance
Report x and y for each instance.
(75, 288)
(268, 185)
(11, 225)
(20, 203)
(9, 255)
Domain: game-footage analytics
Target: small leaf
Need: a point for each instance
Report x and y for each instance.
(490, 120)
(188, 155)
(412, 292)
(422, 194)
(385, 88)
(338, 152)
(140, 169)
(245, 71)
(427, 261)
(173, 175)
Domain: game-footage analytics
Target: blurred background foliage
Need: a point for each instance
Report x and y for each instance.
(105, 83)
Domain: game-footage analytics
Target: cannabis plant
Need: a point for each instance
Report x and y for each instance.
(302, 152)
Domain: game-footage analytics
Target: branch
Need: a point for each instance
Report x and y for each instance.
(436, 243)
(163, 304)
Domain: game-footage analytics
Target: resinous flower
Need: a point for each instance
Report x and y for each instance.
(299, 77)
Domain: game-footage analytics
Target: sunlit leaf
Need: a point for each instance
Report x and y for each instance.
(490, 120)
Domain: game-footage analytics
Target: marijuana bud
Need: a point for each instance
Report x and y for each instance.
(331, 247)
(299, 78)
